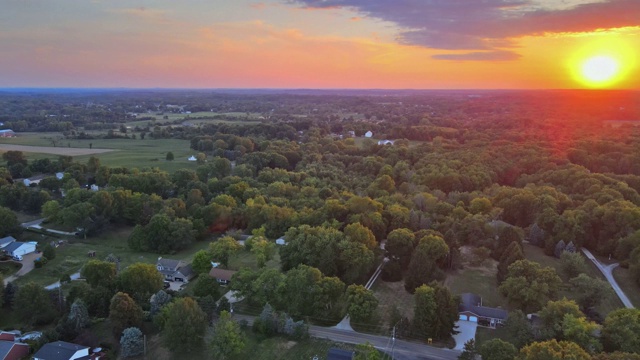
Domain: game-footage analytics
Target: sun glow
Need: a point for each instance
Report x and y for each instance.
(600, 69)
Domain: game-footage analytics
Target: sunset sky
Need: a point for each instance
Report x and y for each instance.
(419, 44)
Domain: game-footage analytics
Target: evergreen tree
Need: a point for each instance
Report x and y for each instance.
(559, 248)
(447, 311)
(78, 315)
(131, 342)
(425, 313)
(469, 352)
(512, 254)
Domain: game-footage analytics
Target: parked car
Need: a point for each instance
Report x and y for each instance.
(167, 284)
(17, 258)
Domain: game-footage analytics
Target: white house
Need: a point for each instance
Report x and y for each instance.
(20, 248)
(192, 158)
(385, 142)
(368, 134)
(281, 241)
(59, 175)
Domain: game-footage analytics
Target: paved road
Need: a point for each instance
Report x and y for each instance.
(36, 224)
(56, 284)
(607, 271)
(402, 350)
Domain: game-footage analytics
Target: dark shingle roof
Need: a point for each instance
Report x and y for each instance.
(186, 270)
(339, 354)
(59, 350)
(168, 263)
(471, 303)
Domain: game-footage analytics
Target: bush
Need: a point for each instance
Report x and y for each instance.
(40, 262)
(65, 278)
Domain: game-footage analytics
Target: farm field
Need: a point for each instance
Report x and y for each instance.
(197, 118)
(131, 153)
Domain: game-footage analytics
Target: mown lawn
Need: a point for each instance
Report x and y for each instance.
(477, 280)
(484, 334)
(8, 268)
(73, 255)
(389, 294)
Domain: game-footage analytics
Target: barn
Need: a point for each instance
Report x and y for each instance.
(20, 248)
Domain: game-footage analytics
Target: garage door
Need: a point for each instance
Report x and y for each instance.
(473, 318)
(464, 317)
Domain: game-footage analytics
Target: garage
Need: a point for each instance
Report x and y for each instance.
(464, 317)
(178, 279)
(473, 319)
(18, 248)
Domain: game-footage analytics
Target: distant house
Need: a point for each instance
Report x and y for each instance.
(4, 242)
(471, 309)
(192, 158)
(175, 270)
(59, 175)
(368, 134)
(61, 350)
(221, 275)
(11, 350)
(339, 354)
(385, 142)
(281, 241)
(18, 248)
(7, 133)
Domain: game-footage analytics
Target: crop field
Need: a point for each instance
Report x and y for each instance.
(197, 118)
(131, 153)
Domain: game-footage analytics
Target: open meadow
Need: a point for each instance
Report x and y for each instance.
(147, 153)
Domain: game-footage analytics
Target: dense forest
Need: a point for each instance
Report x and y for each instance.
(486, 171)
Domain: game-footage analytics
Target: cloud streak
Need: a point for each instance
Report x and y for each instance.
(488, 29)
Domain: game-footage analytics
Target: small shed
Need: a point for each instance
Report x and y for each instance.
(192, 158)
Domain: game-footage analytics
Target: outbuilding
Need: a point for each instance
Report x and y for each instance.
(5, 241)
(18, 248)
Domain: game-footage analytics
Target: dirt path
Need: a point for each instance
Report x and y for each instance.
(53, 150)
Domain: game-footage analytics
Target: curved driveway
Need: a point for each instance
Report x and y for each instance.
(607, 271)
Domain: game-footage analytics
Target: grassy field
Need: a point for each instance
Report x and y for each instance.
(628, 285)
(389, 294)
(70, 257)
(477, 280)
(8, 268)
(484, 334)
(205, 117)
(256, 349)
(131, 153)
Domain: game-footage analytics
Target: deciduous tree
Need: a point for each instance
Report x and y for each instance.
(228, 339)
(553, 350)
(497, 349)
(185, 326)
(620, 331)
(99, 273)
(140, 281)
(529, 286)
(222, 249)
(362, 303)
(124, 313)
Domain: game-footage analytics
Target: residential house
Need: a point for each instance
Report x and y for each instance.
(18, 248)
(221, 275)
(61, 350)
(6, 241)
(471, 309)
(339, 354)
(12, 350)
(7, 133)
(13, 335)
(281, 241)
(175, 270)
(368, 134)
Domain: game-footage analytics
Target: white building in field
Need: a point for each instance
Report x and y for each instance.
(368, 134)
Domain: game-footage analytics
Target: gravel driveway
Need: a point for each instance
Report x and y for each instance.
(27, 265)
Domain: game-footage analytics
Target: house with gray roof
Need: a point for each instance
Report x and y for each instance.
(62, 350)
(6, 241)
(18, 248)
(175, 270)
(471, 309)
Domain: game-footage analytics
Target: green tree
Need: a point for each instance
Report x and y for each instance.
(423, 266)
(33, 305)
(228, 339)
(553, 350)
(616, 356)
(518, 329)
(497, 349)
(620, 331)
(366, 351)
(201, 263)
(425, 313)
(124, 313)
(78, 315)
(263, 250)
(362, 303)
(1, 290)
(206, 286)
(512, 254)
(158, 301)
(13, 157)
(528, 285)
(572, 264)
(400, 244)
(553, 314)
(131, 342)
(582, 332)
(222, 249)
(355, 261)
(185, 326)
(507, 235)
(447, 313)
(140, 280)
(589, 291)
(49, 252)
(358, 233)
(469, 352)
(169, 156)
(9, 224)
(99, 273)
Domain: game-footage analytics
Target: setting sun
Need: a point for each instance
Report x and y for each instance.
(600, 69)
